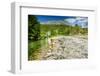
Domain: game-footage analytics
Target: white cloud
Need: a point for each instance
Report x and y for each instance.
(70, 20)
(82, 21)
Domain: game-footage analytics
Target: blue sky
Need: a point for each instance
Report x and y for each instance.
(72, 20)
(42, 18)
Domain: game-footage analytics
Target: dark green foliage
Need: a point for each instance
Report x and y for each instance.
(33, 34)
(33, 28)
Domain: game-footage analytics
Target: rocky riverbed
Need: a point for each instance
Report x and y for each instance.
(65, 47)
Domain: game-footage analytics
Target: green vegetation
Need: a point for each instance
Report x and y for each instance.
(33, 28)
(66, 30)
(38, 33)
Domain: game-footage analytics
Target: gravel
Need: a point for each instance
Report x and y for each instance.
(65, 47)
